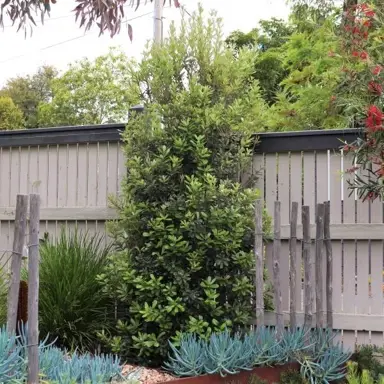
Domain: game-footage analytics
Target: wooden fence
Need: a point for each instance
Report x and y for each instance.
(310, 276)
(310, 171)
(75, 169)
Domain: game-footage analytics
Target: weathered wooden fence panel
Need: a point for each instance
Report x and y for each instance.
(316, 175)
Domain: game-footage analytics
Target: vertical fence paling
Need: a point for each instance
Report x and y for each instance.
(308, 300)
(276, 268)
(259, 256)
(33, 290)
(18, 244)
(319, 265)
(293, 264)
(329, 272)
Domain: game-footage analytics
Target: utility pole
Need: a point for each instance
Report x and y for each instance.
(158, 22)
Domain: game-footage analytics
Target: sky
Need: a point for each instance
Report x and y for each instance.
(60, 41)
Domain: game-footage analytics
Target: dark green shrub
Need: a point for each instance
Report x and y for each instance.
(184, 240)
(72, 307)
(367, 361)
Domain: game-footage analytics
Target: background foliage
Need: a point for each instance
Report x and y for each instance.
(89, 93)
(29, 91)
(11, 116)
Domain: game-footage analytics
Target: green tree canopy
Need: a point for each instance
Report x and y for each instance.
(266, 43)
(27, 92)
(11, 116)
(299, 65)
(90, 92)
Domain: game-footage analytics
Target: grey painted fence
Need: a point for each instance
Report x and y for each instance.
(75, 169)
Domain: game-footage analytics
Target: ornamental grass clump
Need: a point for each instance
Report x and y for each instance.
(72, 306)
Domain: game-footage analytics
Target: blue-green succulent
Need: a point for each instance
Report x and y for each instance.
(55, 365)
(321, 359)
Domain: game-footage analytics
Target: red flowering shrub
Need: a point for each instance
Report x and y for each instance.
(366, 75)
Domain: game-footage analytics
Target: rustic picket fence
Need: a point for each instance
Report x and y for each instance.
(309, 287)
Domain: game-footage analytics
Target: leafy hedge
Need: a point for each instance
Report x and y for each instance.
(184, 239)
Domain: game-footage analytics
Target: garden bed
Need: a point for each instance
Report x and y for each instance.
(270, 374)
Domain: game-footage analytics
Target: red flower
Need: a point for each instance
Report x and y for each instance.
(377, 69)
(374, 119)
(369, 13)
(355, 30)
(375, 88)
(355, 54)
(380, 172)
(364, 55)
(367, 23)
(371, 196)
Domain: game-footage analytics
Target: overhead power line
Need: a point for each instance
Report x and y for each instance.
(45, 20)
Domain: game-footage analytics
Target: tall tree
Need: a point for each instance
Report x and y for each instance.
(27, 92)
(90, 92)
(11, 116)
(266, 42)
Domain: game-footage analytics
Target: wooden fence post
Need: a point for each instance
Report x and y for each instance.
(319, 265)
(293, 263)
(308, 299)
(276, 269)
(33, 291)
(259, 256)
(17, 254)
(328, 251)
